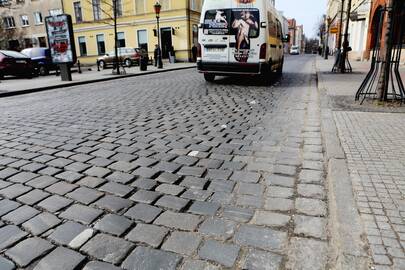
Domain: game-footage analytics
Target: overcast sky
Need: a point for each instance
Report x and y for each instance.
(306, 12)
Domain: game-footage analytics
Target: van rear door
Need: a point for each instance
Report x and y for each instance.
(215, 37)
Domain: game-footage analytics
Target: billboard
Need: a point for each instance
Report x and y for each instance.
(60, 39)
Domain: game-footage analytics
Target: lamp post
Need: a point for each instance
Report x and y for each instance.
(158, 7)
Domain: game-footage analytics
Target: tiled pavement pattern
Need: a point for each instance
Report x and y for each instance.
(375, 149)
(164, 172)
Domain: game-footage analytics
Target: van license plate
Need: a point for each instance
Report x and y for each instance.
(213, 50)
(21, 62)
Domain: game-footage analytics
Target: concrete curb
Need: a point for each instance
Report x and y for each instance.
(53, 87)
(348, 249)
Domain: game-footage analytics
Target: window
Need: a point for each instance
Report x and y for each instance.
(24, 20)
(96, 10)
(82, 46)
(193, 5)
(38, 18)
(165, 4)
(9, 22)
(119, 7)
(121, 39)
(140, 6)
(55, 12)
(27, 43)
(143, 39)
(42, 42)
(100, 44)
(78, 11)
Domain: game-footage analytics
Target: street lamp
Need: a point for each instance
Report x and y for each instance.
(158, 7)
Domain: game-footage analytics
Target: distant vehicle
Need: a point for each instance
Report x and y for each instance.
(295, 50)
(128, 56)
(16, 64)
(41, 58)
(239, 37)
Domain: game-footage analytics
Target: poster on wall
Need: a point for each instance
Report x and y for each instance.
(60, 39)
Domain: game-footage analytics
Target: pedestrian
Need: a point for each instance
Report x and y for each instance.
(157, 54)
(172, 55)
(194, 51)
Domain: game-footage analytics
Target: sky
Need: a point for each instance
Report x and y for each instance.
(306, 12)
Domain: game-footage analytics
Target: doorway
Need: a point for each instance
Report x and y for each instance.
(166, 36)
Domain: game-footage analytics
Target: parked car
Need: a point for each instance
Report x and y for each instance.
(128, 56)
(295, 50)
(41, 57)
(16, 64)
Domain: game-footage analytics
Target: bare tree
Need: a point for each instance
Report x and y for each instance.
(111, 11)
(383, 81)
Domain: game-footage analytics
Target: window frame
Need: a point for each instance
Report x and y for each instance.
(98, 47)
(25, 21)
(36, 17)
(80, 47)
(76, 11)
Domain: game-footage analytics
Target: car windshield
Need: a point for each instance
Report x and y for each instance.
(232, 22)
(294, 47)
(13, 54)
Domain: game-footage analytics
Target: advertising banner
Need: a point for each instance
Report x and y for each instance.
(60, 39)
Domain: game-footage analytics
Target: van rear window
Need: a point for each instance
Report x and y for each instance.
(232, 21)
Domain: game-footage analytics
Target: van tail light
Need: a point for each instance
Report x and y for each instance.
(199, 50)
(263, 50)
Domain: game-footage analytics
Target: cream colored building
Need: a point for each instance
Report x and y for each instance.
(94, 32)
(25, 19)
(358, 28)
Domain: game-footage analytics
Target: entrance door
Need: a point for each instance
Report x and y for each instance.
(166, 36)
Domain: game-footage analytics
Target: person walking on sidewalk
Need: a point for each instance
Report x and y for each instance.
(194, 51)
(172, 55)
(157, 54)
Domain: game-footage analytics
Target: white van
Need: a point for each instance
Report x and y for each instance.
(239, 37)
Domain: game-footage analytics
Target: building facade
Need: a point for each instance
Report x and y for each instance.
(23, 22)
(94, 33)
(334, 24)
(358, 28)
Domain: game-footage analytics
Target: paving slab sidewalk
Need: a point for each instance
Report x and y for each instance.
(373, 148)
(14, 86)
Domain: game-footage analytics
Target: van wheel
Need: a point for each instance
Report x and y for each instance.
(209, 77)
(101, 64)
(279, 70)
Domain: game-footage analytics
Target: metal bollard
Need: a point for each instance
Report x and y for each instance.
(78, 65)
(98, 65)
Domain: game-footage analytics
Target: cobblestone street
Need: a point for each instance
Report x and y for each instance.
(170, 172)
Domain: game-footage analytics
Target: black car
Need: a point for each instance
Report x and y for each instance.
(16, 64)
(41, 58)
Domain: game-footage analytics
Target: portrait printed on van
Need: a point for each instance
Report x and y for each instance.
(244, 22)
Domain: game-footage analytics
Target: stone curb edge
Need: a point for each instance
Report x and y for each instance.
(348, 249)
(53, 87)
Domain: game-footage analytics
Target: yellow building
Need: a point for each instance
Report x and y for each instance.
(94, 31)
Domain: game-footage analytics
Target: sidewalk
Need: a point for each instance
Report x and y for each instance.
(372, 165)
(14, 86)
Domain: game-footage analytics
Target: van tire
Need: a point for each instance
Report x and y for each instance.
(209, 77)
(279, 70)
(128, 62)
(43, 71)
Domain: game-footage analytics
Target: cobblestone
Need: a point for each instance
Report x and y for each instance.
(148, 172)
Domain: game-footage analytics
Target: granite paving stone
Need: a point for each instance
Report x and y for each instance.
(55, 203)
(95, 265)
(81, 213)
(33, 197)
(262, 260)
(28, 250)
(151, 235)
(9, 235)
(107, 248)
(20, 215)
(143, 212)
(113, 224)
(181, 221)
(143, 258)
(224, 254)
(41, 223)
(182, 242)
(6, 264)
(62, 258)
(112, 203)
